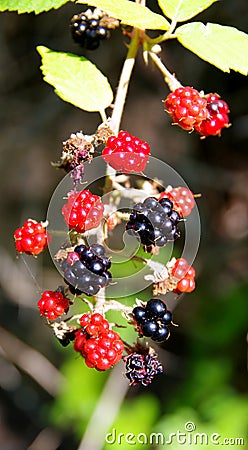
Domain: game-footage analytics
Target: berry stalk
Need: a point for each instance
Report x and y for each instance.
(169, 78)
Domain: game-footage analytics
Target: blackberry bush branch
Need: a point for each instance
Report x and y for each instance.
(124, 82)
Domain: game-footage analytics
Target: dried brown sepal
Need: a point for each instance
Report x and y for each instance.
(102, 134)
(164, 286)
(109, 22)
(76, 150)
(64, 333)
(62, 254)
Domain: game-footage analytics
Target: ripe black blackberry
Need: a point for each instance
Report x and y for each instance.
(153, 320)
(86, 269)
(155, 221)
(89, 28)
(142, 366)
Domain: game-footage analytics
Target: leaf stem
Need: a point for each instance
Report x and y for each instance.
(103, 115)
(169, 78)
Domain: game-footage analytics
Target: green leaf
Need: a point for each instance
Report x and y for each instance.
(76, 80)
(181, 10)
(73, 406)
(131, 14)
(224, 47)
(28, 6)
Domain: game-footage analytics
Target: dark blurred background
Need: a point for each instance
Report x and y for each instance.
(206, 376)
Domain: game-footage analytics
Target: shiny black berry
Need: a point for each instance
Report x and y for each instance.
(154, 221)
(155, 308)
(98, 249)
(87, 254)
(167, 318)
(79, 249)
(161, 335)
(96, 266)
(149, 328)
(139, 314)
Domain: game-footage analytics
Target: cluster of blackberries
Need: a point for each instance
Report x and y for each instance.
(86, 269)
(155, 221)
(153, 320)
(87, 30)
(142, 367)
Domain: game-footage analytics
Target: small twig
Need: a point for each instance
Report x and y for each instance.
(48, 438)
(170, 79)
(106, 410)
(31, 361)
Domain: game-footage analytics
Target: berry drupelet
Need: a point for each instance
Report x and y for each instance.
(217, 116)
(86, 269)
(32, 238)
(126, 153)
(153, 320)
(155, 221)
(83, 211)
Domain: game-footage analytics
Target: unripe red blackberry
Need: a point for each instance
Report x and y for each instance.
(187, 107)
(83, 211)
(32, 238)
(101, 347)
(185, 275)
(126, 153)
(182, 198)
(53, 304)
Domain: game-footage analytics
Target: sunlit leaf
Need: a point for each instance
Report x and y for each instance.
(76, 80)
(224, 47)
(28, 6)
(131, 13)
(181, 10)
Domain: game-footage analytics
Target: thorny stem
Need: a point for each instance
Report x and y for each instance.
(169, 78)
